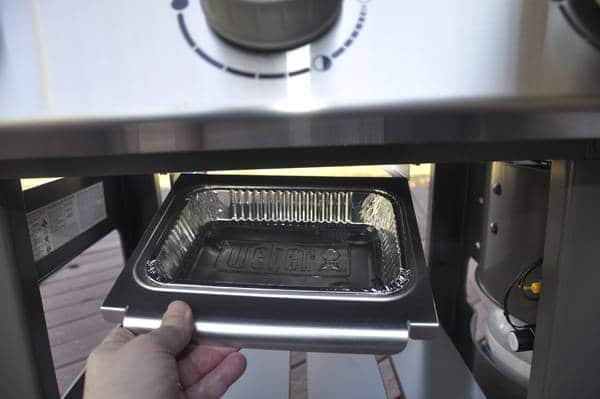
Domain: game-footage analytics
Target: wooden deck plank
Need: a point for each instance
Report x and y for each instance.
(101, 263)
(297, 358)
(72, 299)
(80, 328)
(111, 242)
(298, 382)
(68, 314)
(390, 381)
(107, 250)
(49, 287)
(74, 270)
(93, 280)
(76, 297)
(79, 349)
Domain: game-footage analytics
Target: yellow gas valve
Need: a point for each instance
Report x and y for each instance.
(535, 287)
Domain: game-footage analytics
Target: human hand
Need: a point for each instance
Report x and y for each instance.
(161, 364)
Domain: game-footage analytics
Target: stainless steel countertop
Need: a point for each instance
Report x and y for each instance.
(110, 79)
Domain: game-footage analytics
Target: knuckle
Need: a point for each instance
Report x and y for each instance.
(146, 340)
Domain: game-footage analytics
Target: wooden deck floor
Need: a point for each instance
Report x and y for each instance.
(72, 298)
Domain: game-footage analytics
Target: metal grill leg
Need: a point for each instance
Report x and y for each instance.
(26, 369)
(567, 343)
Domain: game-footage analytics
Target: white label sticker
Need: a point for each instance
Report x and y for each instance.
(55, 224)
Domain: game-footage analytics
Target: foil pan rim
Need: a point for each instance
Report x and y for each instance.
(393, 293)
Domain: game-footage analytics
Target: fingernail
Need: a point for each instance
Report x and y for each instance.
(178, 308)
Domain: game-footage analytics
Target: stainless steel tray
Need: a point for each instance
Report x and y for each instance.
(294, 263)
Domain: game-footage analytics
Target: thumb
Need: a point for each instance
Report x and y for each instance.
(176, 328)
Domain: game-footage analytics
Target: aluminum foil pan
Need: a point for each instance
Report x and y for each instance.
(337, 241)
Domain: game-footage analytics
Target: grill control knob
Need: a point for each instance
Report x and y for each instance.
(271, 24)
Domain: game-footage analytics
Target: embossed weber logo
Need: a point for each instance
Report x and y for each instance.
(280, 258)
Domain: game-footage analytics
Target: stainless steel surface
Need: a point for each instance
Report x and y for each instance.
(277, 335)
(288, 242)
(445, 136)
(568, 325)
(490, 332)
(518, 211)
(434, 369)
(270, 25)
(285, 319)
(459, 51)
(74, 88)
(343, 376)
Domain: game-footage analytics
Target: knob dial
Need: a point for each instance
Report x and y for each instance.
(584, 16)
(271, 24)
